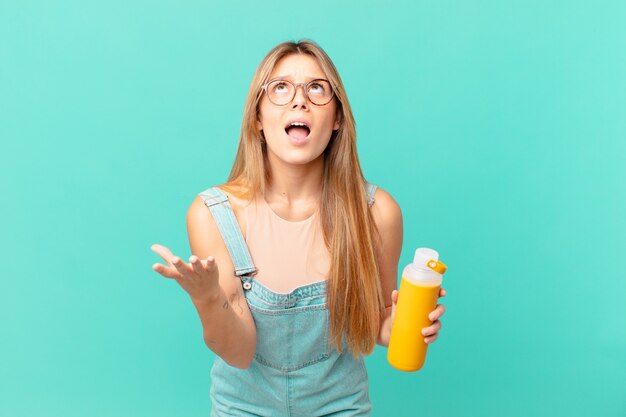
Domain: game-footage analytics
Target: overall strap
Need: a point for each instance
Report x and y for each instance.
(371, 190)
(227, 224)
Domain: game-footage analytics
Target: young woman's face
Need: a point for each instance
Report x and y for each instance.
(297, 144)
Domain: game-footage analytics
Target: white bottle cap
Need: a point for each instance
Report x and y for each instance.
(428, 259)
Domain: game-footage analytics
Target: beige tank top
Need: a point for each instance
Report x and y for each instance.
(286, 254)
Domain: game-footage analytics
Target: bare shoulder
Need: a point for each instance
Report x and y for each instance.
(386, 212)
(204, 235)
(205, 238)
(200, 219)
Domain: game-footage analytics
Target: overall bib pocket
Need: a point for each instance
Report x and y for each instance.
(291, 338)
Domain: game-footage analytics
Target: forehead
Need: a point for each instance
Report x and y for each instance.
(297, 67)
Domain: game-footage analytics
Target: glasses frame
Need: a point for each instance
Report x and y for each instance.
(295, 90)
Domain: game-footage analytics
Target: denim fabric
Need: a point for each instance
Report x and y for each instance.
(296, 371)
(227, 224)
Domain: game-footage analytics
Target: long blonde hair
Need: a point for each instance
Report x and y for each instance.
(354, 295)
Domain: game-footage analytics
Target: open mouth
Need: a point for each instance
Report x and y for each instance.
(298, 130)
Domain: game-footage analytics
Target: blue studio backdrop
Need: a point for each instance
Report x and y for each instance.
(498, 126)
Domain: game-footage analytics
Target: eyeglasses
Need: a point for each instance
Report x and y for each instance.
(282, 92)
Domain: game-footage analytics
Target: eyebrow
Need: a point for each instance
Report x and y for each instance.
(285, 77)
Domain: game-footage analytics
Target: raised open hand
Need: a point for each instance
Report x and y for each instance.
(198, 277)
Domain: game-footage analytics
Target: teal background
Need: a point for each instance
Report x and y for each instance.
(499, 127)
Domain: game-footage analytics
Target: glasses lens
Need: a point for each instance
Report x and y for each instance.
(280, 92)
(319, 92)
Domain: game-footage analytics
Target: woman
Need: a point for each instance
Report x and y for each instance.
(294, 264)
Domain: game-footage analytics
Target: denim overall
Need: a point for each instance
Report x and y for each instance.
(295, 371)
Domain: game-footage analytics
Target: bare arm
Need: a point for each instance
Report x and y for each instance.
(388, 218)
(228, 327)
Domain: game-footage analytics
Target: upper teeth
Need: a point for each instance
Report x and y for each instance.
(297, 124)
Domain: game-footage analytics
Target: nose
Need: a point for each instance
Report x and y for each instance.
(299, 99)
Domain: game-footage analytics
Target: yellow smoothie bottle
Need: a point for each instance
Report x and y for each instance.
(419, 290)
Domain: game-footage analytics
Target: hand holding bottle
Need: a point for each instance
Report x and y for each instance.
(431, 332)
(417, 312)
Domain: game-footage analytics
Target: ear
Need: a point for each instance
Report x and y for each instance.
(337, 124)
(258, 124)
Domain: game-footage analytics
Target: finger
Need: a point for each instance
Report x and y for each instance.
(181, 266)
(432, 329)
(394, 302)
(442, 292)
(165, 271)
(163, 252)
(210, 264)
(196, 264)
(431, 339)
(438, 312)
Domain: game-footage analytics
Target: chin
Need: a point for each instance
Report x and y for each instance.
(296, 158)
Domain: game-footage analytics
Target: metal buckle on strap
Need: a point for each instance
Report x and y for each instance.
(247, 285)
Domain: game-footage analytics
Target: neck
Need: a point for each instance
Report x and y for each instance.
(295, 183)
